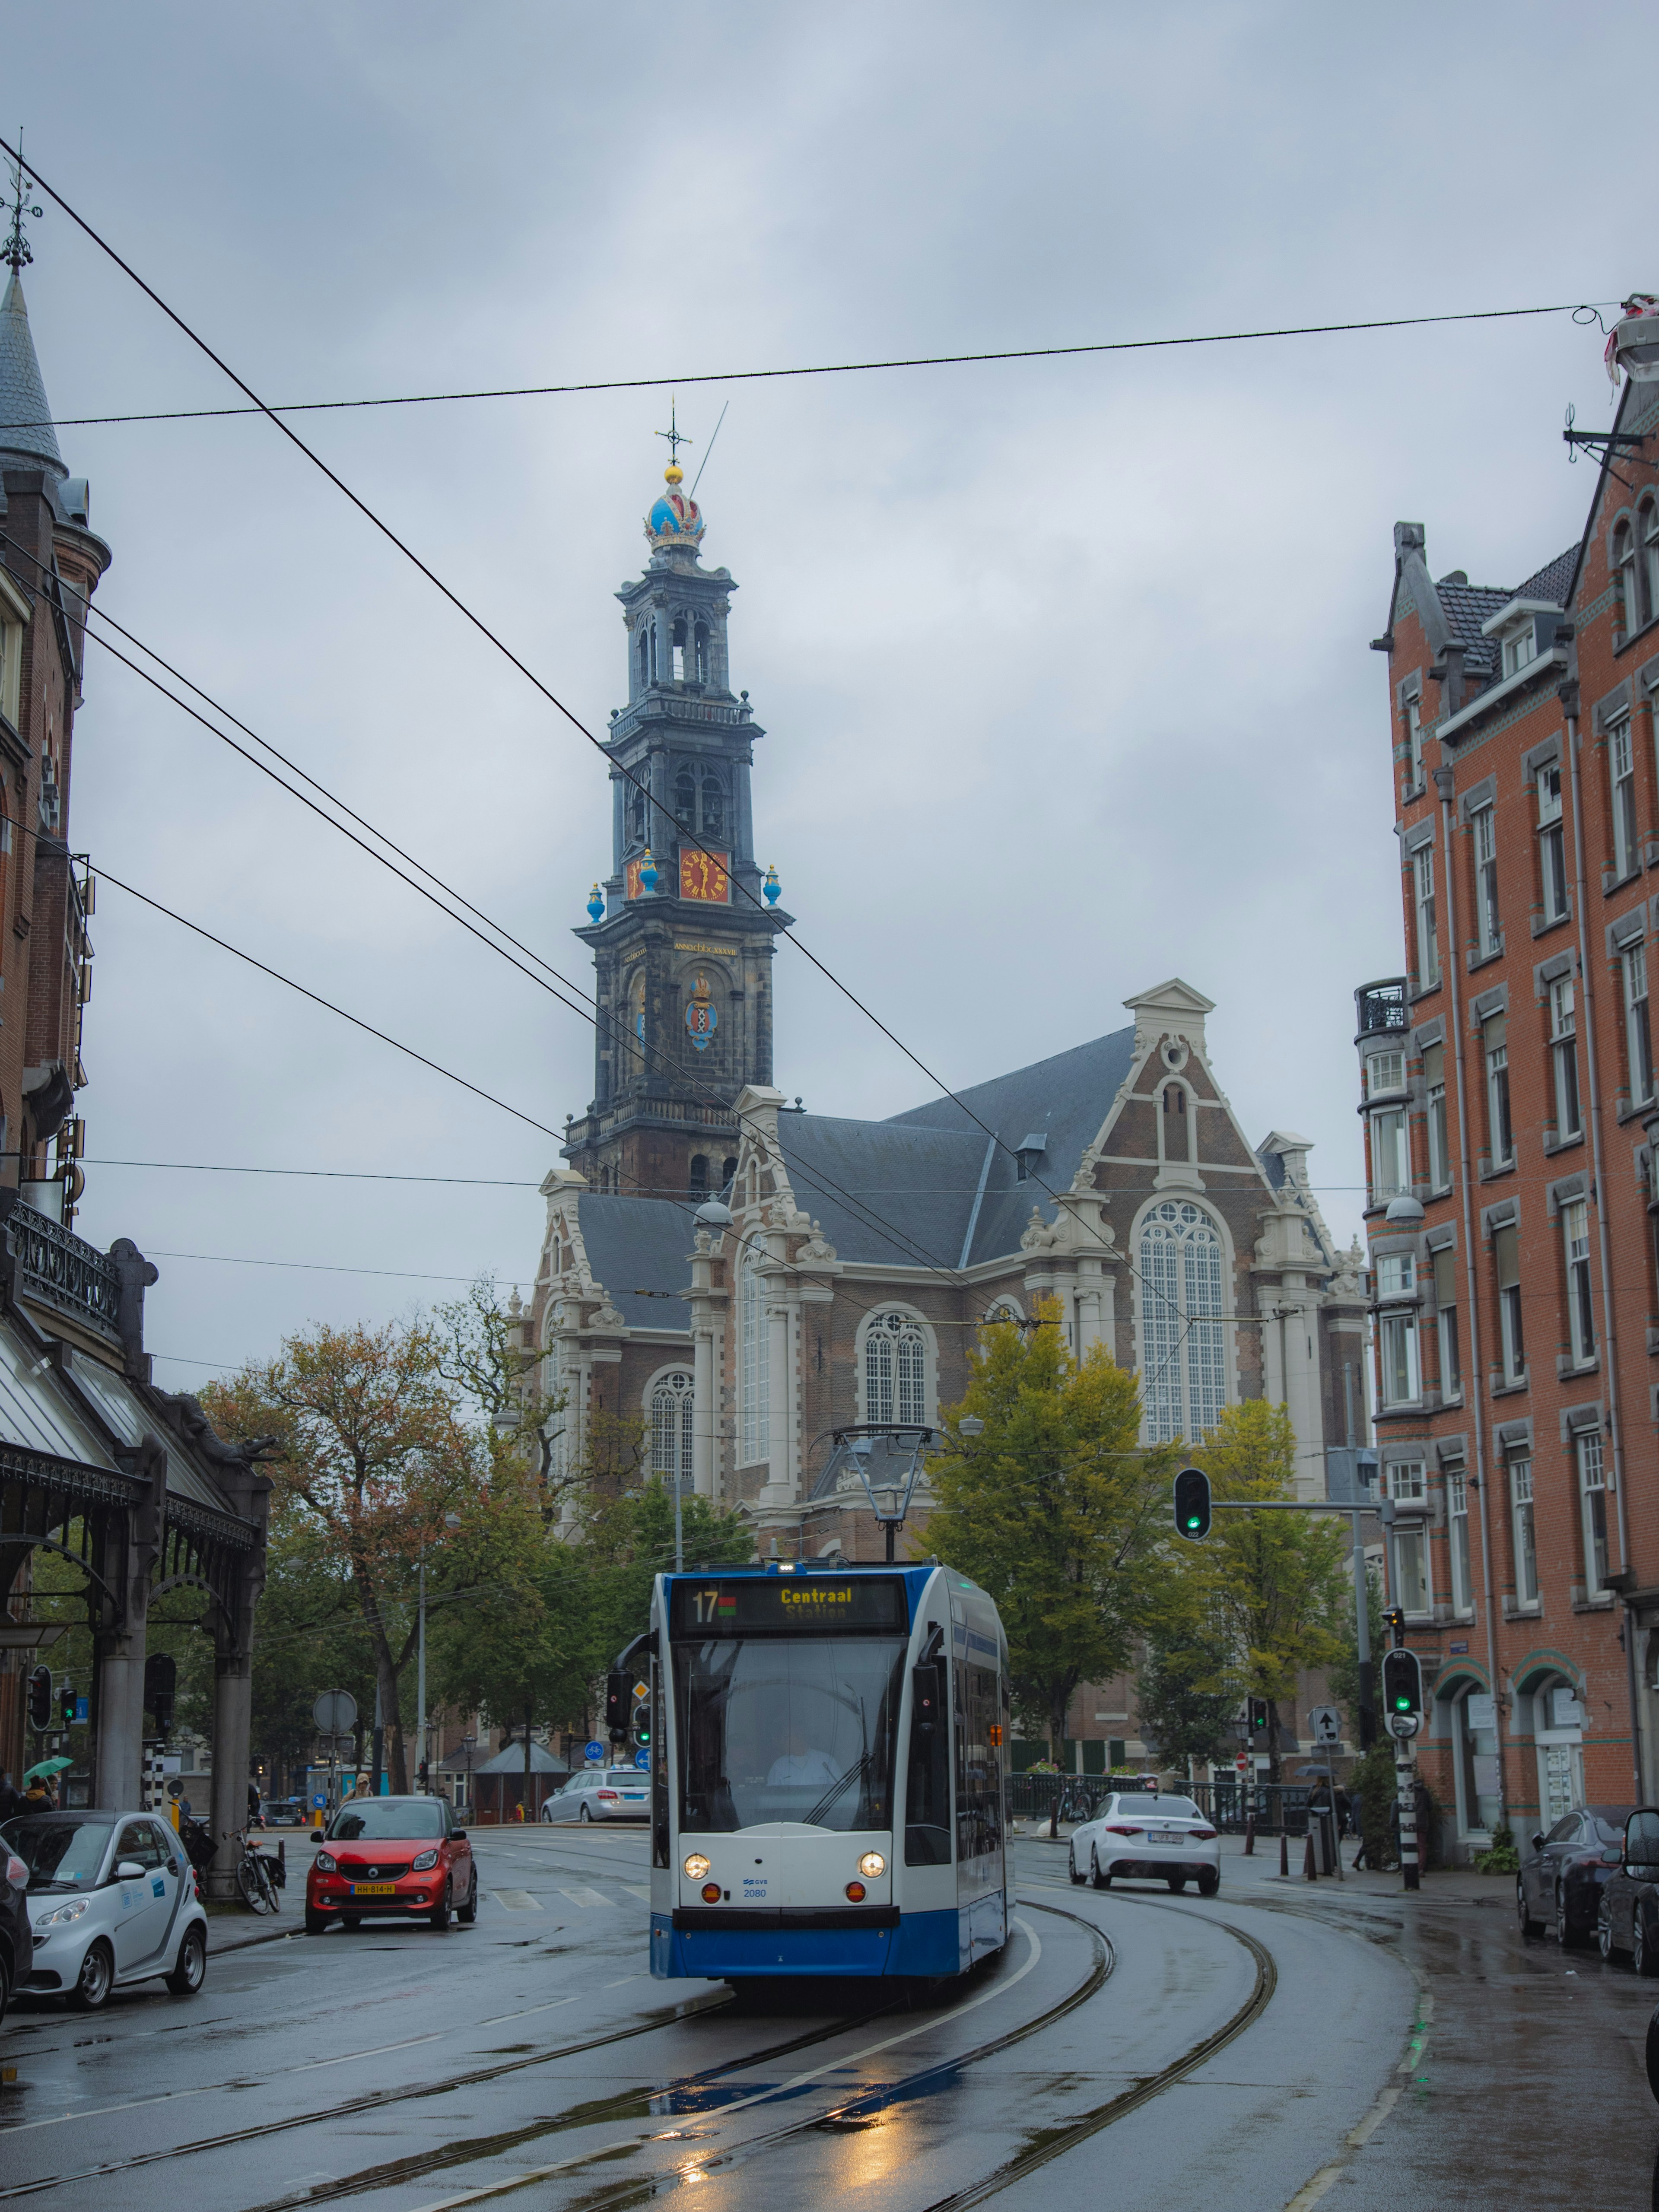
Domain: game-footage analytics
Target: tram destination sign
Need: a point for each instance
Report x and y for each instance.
(811, 1604)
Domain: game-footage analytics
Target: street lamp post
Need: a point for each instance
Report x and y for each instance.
(422, 1756)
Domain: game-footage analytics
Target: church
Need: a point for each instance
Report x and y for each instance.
(861, 1258)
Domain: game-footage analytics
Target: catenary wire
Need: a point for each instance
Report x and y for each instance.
(819, 369)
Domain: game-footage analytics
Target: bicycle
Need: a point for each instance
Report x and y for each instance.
(258, 1877)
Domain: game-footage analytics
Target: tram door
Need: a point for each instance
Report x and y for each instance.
(978, 1741)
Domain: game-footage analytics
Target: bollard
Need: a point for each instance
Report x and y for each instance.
(1284, 1855)
(1249, 1836)
(1310, 1870)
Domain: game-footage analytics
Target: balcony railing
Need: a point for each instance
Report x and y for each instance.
(58, 1269)
(1382, 1005)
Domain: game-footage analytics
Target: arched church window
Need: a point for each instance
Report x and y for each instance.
(1183, 1351)
(701, 640)
(685, 799)
(895, 1369)
(755, 1370)
(698, 1178)
(714, 807)
(728, 1169)
(639, 805)
(671, 1405)
(643, 650)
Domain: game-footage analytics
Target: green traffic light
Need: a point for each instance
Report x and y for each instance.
(1194, 1521)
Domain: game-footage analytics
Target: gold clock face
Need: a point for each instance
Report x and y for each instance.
(703, 875)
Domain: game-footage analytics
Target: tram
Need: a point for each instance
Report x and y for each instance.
(828, 1772)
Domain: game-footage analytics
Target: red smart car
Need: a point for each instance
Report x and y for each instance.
(397, 1858)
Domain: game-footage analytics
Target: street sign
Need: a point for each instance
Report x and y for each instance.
(335, 1712)
(641, 1690)
(1241, 1763)
(81, 1708)
(594, 1753)
(1327, 1725)
(319, 1799)
(642, 1760)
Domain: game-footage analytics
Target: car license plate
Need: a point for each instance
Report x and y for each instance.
(373, 1889)
(1172, 1836)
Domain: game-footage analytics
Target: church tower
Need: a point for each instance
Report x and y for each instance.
(682, 926)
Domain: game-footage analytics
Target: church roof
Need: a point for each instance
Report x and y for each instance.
(637, 1244)
(932, 1175)
(25, 416)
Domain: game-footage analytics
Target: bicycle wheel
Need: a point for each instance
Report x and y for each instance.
(250, 1880)
(267, 1883)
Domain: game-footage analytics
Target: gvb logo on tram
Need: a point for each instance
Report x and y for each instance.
(828, 1772)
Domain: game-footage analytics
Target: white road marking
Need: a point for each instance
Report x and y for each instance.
(637, 1889)
(742, 2104)
(516, 1901)
(587, 1898)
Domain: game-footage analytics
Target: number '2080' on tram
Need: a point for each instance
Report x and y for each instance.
(829, 1773)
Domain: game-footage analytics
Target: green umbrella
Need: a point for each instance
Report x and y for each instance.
(48, 1766)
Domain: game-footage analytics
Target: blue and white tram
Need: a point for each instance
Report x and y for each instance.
(828, 1772)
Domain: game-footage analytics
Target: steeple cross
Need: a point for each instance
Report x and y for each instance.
(17, 248)
(675, 436)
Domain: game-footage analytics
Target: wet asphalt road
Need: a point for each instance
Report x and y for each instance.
(1129, 2047)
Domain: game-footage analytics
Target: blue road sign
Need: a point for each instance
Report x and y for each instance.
(595, 1753)
(320, 1799)
(81, 1708)
(642, 1760)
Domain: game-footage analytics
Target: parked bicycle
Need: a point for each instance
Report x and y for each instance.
(258, 1877)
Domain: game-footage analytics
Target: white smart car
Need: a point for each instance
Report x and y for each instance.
(1147, 1837)
(112, 1901)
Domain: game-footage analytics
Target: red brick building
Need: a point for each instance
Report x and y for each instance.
(1507, 1082)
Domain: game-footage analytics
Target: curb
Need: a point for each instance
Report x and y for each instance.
(247, 1942)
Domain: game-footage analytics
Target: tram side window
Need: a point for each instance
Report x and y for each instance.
(928, 1775)
(979, 1767)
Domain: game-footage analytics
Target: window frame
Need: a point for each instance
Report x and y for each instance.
(1483, 830)
(1524, 1534)
(898, 1400)
(1563, 1056)
(754, 1359)
(1580, 1293)
(677, 1386)
(1397, 1121)
(1595, 1482)
(1458, 1545)
(1398, 1360)
(1436, 1119)
(1447, 1343)
(1425, 906)
(1512, 1325)
(1500, 1122)
(1552, 844)
(1621, 781)
(1638, 1022)
(1186, 1370)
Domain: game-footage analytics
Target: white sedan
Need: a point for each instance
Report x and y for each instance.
(602, 1793)
(112, 1900)
(1147, 1838)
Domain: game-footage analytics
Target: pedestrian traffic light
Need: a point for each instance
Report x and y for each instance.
(642, 1724)
(66, 1703)
(1192, 1503)
(1403, 1685)
(616, 1687)
(1256, 1718)
(161, 1675)
(424, 1771)
(40, 1698)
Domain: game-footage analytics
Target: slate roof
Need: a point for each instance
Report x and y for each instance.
(1552, 580)
(919, 1181)
(636, 1244)
(25, 416)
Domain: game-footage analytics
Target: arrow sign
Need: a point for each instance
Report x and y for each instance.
(1327, 1725)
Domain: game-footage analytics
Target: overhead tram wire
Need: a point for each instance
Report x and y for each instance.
(665, 379)
(546, 692)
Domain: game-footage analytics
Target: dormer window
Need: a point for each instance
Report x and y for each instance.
(1520, 645)
(1029, 1151)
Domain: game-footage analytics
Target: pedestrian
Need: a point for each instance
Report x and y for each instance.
(11, 1797)
(1344, 1811)
(518, 1810)
(361, 1789)
(37, 1798)
(256, 1819)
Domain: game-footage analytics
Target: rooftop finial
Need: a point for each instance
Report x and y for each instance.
(16, 249)
(676, 438)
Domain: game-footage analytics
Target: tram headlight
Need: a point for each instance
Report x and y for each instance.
(872, 1865)
(695, 1867)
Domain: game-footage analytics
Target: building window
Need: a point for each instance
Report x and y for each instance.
(1581, 1314)
(755, 1416)
(1391, 1170)
(1445, 1299)
(1526, 1542)
(1408, 1541)
(1639, 1032)
(1623, 567)
(1520, 647)
(1647, 589)
(1384, 1071)
(1564, 1052)
(1500, 1131)
(671, 1428)
(700, 642)
(894, 1371)
(1184, 1344)
(1512, 1347)
(1551, 847)
(1623, 800)
(1434, 1077)
(1593, 1493)
(1396, 1342)
(685, 799)
(1428, 940)
(1396, 1275)
(1457, 1514)
(697, 1177)
(714, 807)
(1413, 744)
(1485, 879)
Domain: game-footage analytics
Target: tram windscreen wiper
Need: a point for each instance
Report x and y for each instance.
(811, 1820)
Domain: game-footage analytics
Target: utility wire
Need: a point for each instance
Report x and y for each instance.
(768, 375)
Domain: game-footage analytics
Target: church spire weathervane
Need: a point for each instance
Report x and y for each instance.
(675, 436)
(17, 248)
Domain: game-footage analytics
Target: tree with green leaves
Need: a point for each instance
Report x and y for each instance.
(1054, 1511)
(1186, 1698)
(1274, 1584)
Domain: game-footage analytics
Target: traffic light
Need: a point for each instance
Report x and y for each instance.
(1256, 1718)
(1192, 1503)
(161, 1676)
(66, 1703)
(642, 1724)
(423, 1772)
(1394, 1621)
(1402, 1685)
(40, 1699)
(617, 1688)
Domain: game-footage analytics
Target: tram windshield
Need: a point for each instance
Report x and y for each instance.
(779, 1722)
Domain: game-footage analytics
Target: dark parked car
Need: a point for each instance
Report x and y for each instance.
(1561, 1887)
(1629, 1916)
(16, 1930)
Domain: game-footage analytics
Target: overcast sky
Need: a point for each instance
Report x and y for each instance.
(1063, 665)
